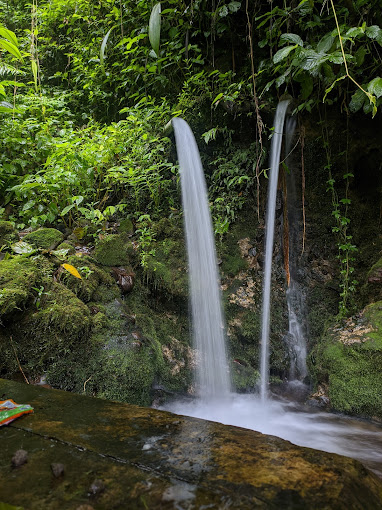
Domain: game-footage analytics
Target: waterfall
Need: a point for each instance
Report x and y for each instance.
(269, 235)
(295, 338)
(213, 378)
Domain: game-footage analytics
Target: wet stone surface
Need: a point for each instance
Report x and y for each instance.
(121, 456)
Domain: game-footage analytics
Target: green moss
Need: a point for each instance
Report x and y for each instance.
(62, 315)
(92, 277)
(353, 369)
(7, 233)
(105, 293)
(355, 382)
(233, 264)
(67, 246)
(114, 250)
(45, 238)
(126, 226)
(17, 277)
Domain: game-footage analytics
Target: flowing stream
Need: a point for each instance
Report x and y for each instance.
(302, 425)
(213, 378)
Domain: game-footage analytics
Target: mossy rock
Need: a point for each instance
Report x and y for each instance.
(121, 360)
(114, 250)
(126, 226)
(349, 358)
(92, 277)
(7, 233)
(67, 246)
(17, 277)
(62, 315)
(44, 238)
(48, 331)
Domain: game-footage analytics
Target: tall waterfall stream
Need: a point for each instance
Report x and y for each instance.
(298, 423)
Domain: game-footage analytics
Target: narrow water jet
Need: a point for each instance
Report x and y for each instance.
(296, 337)
(269, 237)
(208, 328)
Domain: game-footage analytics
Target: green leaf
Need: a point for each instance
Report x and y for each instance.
(11, 48)
(234, 6)
(360, 54)
(357, 101)
(283, 53)
(34, 70)
(291, 38)
(332, 86)
(217, 98)
(373, 32)
(375, 87)
(337, 57)
(66, 209)
(6, 107)
(325, 43)
(62, 253)
(9, 35)
(103, 46)
(22, 248)
(154, 28)
(355, 32)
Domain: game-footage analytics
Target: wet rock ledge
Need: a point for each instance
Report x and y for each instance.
(84, 453)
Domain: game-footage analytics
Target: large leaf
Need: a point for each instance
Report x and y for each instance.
(357, 101)
(291, 38)
(374, 32)
(283, 53)
(103, 46)
(375, 87)
(6, 107)
(234, 6)
(11, 48)
(22, 248)
(154, 28)
(325, 43)
(9, 35)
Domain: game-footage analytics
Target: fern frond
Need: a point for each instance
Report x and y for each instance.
(7, 70)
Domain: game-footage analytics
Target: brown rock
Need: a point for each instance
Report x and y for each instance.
(57, 469)
(19, 458)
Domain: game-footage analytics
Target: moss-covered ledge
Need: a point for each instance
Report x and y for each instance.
(118, 456)
(349, 359)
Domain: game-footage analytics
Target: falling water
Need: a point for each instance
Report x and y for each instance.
(295, 338)
(301, 425)
(213, 377)
(269, 233)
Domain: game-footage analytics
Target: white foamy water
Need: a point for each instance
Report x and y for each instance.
(298, 424)
(213, 377)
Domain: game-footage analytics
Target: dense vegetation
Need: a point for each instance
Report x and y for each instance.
(87, 88)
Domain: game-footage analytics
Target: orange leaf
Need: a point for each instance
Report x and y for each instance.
(72, 270)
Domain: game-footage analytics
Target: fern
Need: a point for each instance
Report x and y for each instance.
(7, 69)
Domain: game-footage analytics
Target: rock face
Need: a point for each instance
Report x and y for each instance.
(348, 360)
(121, 456)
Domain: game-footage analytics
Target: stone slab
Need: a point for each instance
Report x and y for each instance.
(120, 456)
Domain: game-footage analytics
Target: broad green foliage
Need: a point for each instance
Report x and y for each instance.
(309, 49)
(85, 144)
(8, 43)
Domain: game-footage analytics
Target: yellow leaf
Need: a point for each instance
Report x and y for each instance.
(72, 270)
